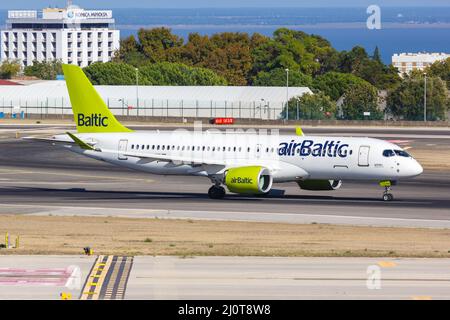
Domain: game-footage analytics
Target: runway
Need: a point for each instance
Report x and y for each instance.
(36, 178)
(227, 278)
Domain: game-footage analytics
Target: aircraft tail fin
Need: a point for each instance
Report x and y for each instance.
(90, 111)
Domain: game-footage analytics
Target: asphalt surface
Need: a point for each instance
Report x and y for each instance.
(40, 179)
(37, 178)
(231, 278)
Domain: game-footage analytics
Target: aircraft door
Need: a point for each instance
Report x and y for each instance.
(123, 145)
(363, 158)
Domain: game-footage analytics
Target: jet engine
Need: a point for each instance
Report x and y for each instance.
(320, 185)
(249, 180)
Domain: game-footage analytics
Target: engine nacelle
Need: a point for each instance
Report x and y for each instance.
(320, 185)
(249, 180)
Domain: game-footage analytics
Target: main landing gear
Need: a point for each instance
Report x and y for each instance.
(216, 192)
(387, 185)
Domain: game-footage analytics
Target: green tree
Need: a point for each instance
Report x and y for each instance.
(130, 52)
(159, 44)
(46, 70)
(441, 69)
(277, 78)
(311, 107)
(177, 74)
(373, 70)
(358, 99)
(407, 101)
(9, 69)
(112, 73)
(291, 49)
(335, 84)
(230, 57)
(377, 55)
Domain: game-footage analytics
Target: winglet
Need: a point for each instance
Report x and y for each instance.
(299, 131)
(83, 145)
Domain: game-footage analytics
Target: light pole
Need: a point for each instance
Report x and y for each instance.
(287, 94)
(123, 106)
(137, 90)
(425, 99)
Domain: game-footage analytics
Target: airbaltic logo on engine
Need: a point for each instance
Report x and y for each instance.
(242, 180)
(93, 120)
(307, 148)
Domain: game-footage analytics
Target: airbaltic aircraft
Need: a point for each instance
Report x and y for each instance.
(243, 162)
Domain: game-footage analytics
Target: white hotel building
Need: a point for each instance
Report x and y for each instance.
(407, 62)
(72, 35)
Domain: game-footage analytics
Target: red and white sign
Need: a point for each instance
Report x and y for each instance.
(223, 121)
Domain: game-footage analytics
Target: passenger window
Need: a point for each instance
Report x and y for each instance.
(388, 153)
(132, 146)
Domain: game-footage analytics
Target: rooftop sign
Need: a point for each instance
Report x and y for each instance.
(22, 14)
(88, 14)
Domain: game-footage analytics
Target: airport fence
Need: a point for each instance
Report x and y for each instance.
(257, 110)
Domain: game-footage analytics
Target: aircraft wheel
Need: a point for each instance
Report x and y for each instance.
(216, 192)
(388, 197)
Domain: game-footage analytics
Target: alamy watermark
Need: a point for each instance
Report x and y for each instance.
(373, 281)
(374, 20)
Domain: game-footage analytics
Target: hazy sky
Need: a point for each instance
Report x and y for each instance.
(20, 4)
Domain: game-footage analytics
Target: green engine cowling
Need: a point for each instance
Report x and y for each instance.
(249, 180)
(320, 185)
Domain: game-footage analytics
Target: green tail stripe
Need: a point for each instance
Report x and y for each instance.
(90, 111)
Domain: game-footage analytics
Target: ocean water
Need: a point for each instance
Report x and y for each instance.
(403, 29)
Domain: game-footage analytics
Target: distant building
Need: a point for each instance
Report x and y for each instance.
(407, 62)
(72, 35)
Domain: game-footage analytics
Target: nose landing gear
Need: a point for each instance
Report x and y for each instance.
(387, 185)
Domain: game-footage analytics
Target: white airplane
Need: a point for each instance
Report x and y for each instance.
(245, 163)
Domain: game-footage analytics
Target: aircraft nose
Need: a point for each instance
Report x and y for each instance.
(418, 169)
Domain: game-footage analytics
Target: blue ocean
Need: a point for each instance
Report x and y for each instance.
(403, 29)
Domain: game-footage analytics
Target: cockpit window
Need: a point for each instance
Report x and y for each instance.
(402, 153)
(388, 153)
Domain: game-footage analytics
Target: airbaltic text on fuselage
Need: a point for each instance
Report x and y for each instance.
(307, 148)
(93, 120)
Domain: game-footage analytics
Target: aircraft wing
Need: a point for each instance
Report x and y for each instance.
(175, 158)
